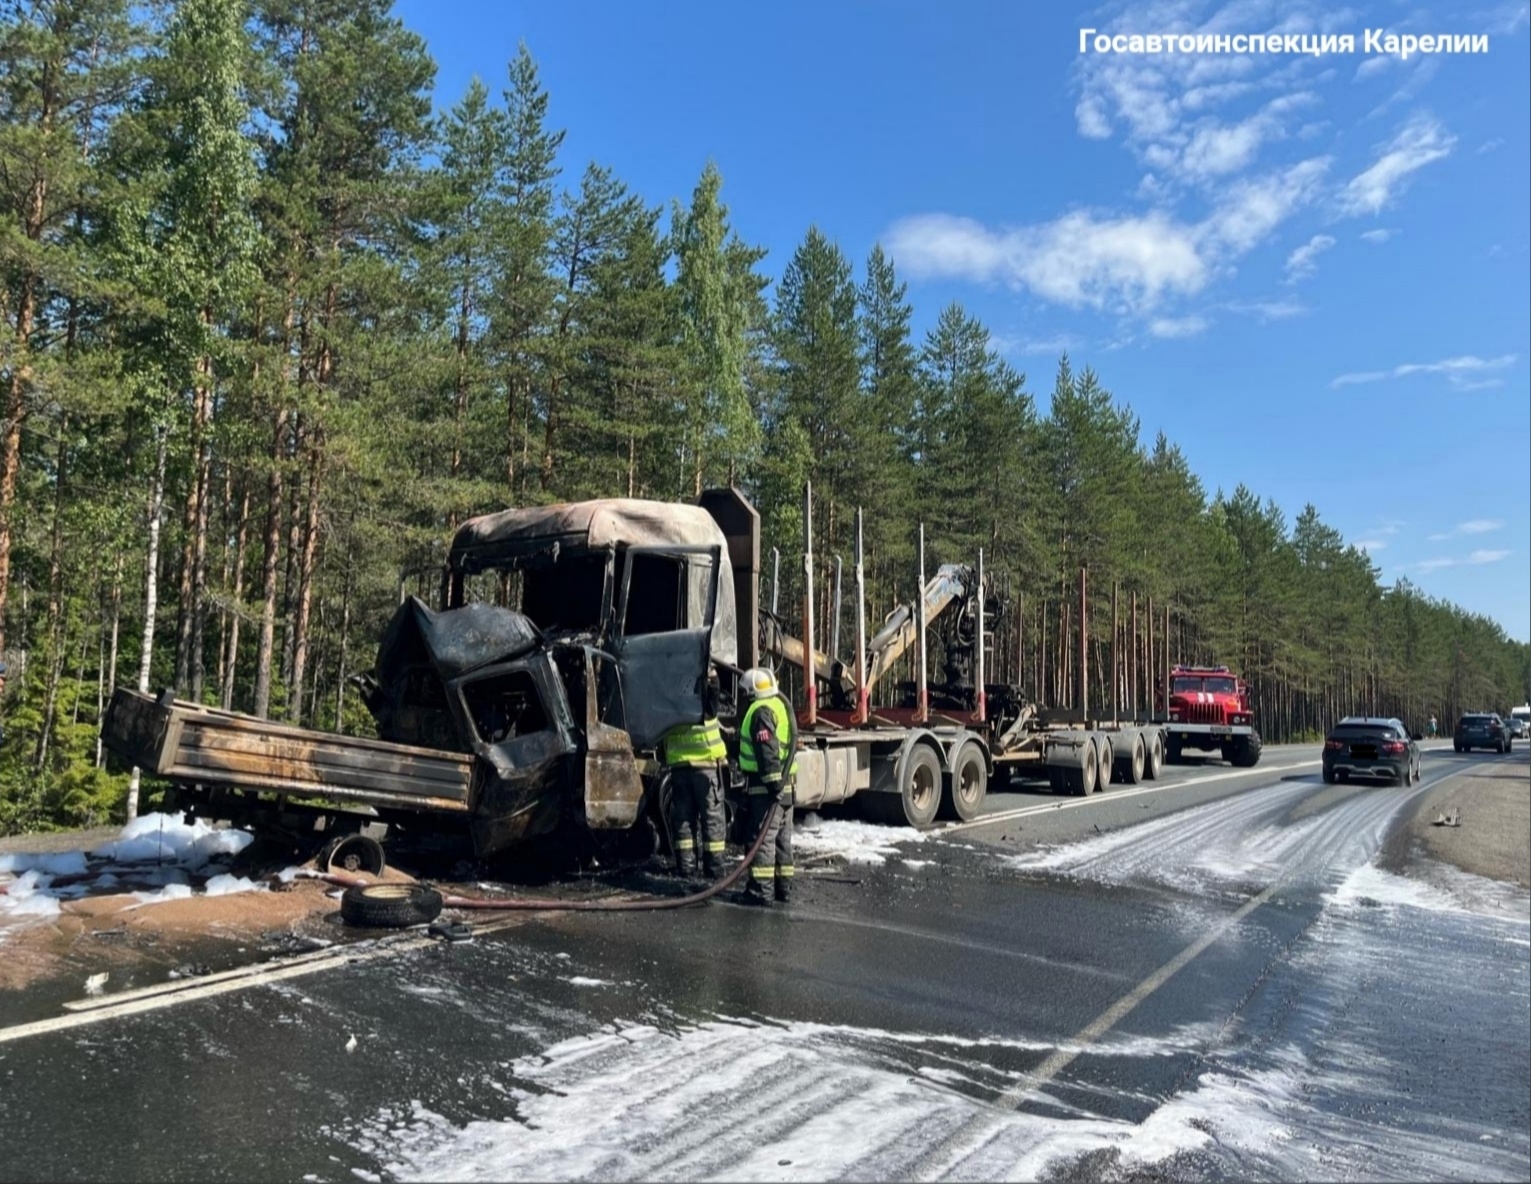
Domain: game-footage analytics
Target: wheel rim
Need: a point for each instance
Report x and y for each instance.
(922, 787)
(356, 853)
(389, 891)
(1137, 761)
(1091, 772)
(970, 780)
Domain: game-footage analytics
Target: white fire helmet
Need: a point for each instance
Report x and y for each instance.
(759, 682)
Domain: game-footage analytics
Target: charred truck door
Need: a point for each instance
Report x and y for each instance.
(664, 620)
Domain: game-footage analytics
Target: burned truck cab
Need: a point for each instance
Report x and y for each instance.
(569, 640)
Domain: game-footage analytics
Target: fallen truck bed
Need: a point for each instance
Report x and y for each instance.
(192, 745)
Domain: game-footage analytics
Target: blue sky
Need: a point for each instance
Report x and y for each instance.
(1312, 273)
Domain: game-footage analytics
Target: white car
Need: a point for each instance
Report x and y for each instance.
(1519, 721)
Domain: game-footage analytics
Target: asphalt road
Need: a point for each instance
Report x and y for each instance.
(1209, 978)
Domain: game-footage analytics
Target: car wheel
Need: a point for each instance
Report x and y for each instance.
(1328, 776)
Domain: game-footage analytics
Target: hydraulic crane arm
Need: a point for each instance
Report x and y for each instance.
(950, 585)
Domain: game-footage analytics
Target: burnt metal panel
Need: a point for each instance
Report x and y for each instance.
(664, 676)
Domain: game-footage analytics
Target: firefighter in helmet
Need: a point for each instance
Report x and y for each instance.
(768, 759)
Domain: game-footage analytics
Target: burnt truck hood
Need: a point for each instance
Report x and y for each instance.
(456, 641)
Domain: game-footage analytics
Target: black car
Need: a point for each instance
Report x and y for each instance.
(1482, 729)
(1364, 746)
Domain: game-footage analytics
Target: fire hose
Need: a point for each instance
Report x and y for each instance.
(630, 904)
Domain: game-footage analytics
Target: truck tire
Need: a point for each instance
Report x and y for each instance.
(1153, 757)
(918, 797)
(1085, 780)
(1172, 751)
(963, 796)
(1246, 754)
(1129, 770)
(390, 906)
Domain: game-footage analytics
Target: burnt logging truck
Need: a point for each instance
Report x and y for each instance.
(499, 727)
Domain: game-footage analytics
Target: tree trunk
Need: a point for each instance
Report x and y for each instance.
(20, 364)
(201, 412)
(340, 663)
(55, 596)
(230, 658)
(111, 664)
(305, 590)
(151, 594)
(269, 566)
(198, 612)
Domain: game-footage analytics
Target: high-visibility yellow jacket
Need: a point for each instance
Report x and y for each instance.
(695, 744)
(768, 741)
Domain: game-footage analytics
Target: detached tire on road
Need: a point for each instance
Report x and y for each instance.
(390, 906)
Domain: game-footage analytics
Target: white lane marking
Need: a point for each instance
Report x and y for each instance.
(174, 986)
(1111, 795)
(113, 1007)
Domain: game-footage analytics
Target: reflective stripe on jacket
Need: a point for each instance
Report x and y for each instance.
(695, 744)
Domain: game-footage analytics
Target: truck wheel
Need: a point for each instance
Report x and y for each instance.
(1129, 770)
(918, 797)
(1082, 782)
(1247, 754)
(1172, 751)
(1153, 758)
(390, 906)
(966, 787)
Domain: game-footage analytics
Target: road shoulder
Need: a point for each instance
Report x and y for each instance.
(1493, 804)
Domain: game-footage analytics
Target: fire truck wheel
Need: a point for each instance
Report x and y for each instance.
(390, 906)
(1246, 753)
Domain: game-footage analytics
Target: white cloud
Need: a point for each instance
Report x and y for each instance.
(1303, 262)
(1370, 545)
(1479, 525)
(1456, 370)
(1421, 141)
(1490, 146)
(1252, 209)
(1077, 260)
(1268, 310)
(1177, 326)
(1377, 237)
(1475, 559)
(1042, 346)
(1084, 259)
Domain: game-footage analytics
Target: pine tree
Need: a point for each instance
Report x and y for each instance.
(523, 300)
(719, 295)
